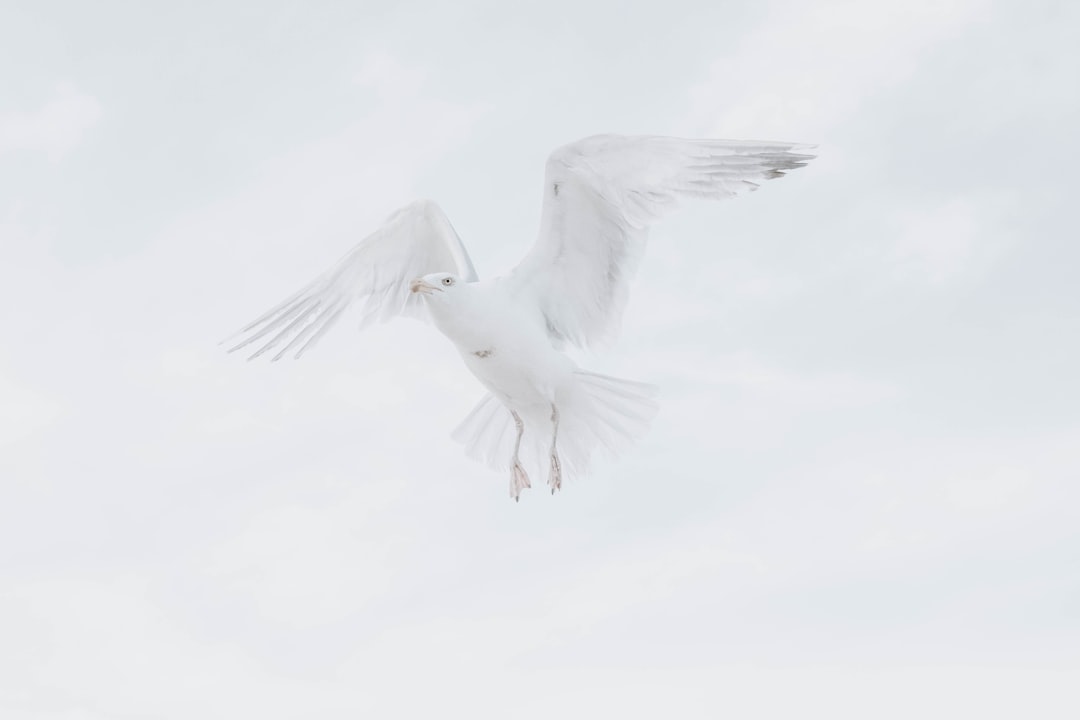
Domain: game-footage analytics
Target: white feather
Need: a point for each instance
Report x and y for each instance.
(600, 196)
(416, 240)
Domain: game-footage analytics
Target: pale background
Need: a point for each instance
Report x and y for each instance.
(860, 498)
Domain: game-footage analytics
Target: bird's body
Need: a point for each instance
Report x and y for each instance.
(506, 344)
(601, 194)
(502, 342)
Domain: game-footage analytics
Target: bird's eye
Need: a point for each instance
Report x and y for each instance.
(448, 281)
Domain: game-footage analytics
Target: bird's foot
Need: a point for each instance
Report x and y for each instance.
(518, 480)
(555, 478)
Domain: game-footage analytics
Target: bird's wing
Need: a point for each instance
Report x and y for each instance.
(414, 241)
(600, 196)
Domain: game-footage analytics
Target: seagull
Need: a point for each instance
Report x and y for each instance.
(601, 194)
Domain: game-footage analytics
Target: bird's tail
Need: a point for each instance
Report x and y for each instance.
(594, 411)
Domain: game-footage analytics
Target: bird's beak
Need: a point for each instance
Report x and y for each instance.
(419, 285)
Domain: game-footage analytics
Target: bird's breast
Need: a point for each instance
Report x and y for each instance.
(504, 345)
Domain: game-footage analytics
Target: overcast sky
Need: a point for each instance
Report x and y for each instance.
(860, 498)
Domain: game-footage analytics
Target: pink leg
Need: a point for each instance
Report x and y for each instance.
(518, 479)
(555, 478)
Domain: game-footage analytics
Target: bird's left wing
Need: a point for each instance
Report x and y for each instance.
(600, 196)
(414, 241)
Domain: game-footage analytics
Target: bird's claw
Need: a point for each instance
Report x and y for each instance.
(555, 479)
(519, 480)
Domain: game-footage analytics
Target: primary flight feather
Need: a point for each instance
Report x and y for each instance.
(600, 196)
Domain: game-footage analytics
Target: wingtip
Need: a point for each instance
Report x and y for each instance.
(228, 339)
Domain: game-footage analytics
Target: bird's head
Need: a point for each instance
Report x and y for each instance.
(436, 286)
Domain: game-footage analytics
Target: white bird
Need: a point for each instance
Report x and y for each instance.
(600, 196)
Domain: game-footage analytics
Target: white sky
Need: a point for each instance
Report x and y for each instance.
(860, 498)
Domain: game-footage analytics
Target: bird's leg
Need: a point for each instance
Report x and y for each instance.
(518, 479)
(555, 479)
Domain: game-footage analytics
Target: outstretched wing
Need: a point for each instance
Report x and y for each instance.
(600, 196)
(414, 241)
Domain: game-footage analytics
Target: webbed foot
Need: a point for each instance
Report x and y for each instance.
(518, 480)
(555, 478)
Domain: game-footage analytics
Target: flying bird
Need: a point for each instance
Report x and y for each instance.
(601, 194)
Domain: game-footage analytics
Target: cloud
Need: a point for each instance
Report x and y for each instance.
(54, 129)
(390, 77)
(937, 244)
(938, 241)
(77, 633)
(23, 411)
(213, 538)
(757, 380)
(305, 566)
(812, 65)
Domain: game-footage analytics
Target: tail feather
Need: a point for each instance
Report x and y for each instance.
(486, 433)
(594, 411)
(624, 406)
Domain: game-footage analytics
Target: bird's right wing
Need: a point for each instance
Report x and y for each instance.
(414, 241)
(601, 195)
